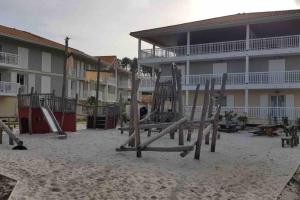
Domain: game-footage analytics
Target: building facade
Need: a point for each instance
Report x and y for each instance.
(28, 60)
(260, 52)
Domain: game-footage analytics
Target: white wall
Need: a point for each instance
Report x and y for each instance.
(46, 62)
(23, 57)
(45, 84)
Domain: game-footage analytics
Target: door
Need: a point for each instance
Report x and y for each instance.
(276, 69)
(218, 70)
(31, 81)
(182, 70)
(277, 103)
(263, 103)
(46, 84)
(230, 101)
(289, 104)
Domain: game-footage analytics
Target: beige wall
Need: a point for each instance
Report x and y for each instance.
(8, 106)
(254, 96)
(238, 98)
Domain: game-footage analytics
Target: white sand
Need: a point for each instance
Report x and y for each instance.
(86, 166)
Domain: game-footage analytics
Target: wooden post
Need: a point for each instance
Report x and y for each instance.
(1, 135)
(217, 115)
(202, 120)
(63, 93)
(30, 111)
(97, 93)
(180, 106)
(136, 118)
(174, 85)
(121, 112)
(131, 122)
(193, 112)
(210, 107)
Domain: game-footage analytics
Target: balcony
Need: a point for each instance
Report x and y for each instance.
(8, 88)
(124, 84)
(255, 113)
(9, 59)
(256, 80)
(257, 44)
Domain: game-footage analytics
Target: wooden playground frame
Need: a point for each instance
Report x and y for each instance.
(171, 91)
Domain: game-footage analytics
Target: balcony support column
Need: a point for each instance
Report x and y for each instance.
(246, 101)
(188, 43)
(247, 37)
(247, 70)
(153, 51)
(139, 48)
(187, 77)
(186, 97)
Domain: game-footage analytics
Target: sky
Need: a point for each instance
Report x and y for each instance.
(102, 27)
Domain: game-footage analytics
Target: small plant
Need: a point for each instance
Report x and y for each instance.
(229, 116)
(243, 119)
(285, 121)
(298, 123)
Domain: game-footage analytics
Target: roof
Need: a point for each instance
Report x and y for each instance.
(38, 40)
(113, 61)
(229, 20)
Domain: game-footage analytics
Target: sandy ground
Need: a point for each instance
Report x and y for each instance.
(292, 190)
(86, 166)
(6, 187)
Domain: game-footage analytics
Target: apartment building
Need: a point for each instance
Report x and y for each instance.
(28, 60)
(260, 52)
(114, 80)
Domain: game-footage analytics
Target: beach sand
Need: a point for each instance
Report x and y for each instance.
(86, 166)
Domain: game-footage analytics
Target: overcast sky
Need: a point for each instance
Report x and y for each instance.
(102, 27)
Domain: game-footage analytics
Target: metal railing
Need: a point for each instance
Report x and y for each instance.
(279, 77)
(290, 41)
(258, 113)
(8, 88)
(9, 58)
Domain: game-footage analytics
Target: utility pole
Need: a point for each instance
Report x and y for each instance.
(97, 91)
(63, 92)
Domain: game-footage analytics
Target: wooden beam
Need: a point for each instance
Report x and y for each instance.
(217, 115)
(160, 149)
(205, 131)
(174, 126)
(203, 116)
(30, 111)
(193, 112)
(97, 92)
(180, 107)
(211, 106)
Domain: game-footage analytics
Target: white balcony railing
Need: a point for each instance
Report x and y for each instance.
(126, 84)
(291, 41)
(236, 79)
(8, 88)
(9, 58)
(259, 113)
(110, 97)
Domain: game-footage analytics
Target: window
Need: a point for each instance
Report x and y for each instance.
(0, 48)
(0, 76)
(21, 79)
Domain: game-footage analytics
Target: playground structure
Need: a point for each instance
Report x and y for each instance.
(12, 137)
(167, 116)
(102, 117)
(44, 113)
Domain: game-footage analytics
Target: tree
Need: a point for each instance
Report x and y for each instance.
(125, 62)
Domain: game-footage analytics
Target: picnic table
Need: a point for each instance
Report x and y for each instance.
(269, 130)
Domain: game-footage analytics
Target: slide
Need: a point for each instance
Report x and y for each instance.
(12, 136)
(52, 122)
